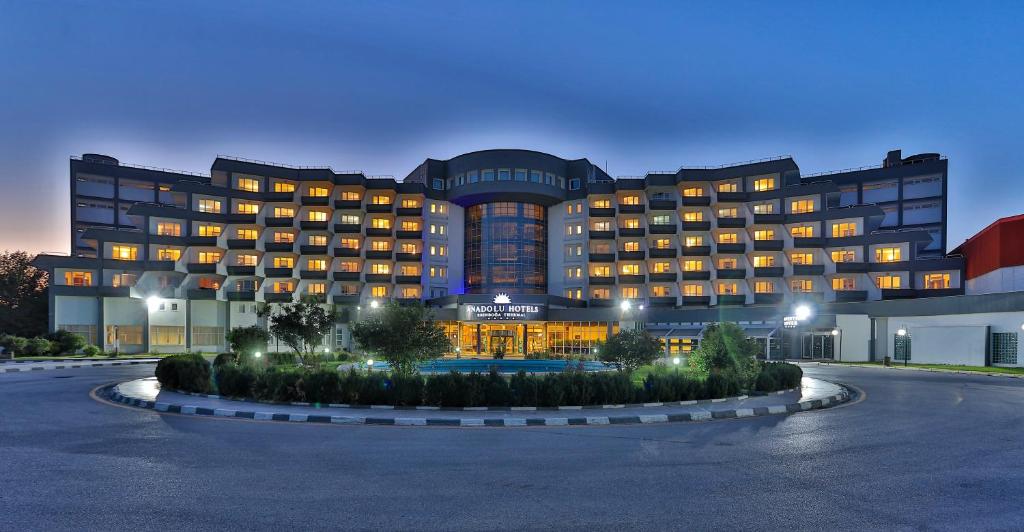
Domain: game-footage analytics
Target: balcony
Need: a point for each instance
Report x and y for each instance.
(631, 209)
(346, 276)
(315, 201)
(631, 255)
(380, 254)
(768, 245)
(808, 297)
(409, 211)
(201, 293)
(348, 228)
(408, 257)
(241, 270)
(731, 273)
(696, 301)
(240, 295)
(312, 274)
(313, 250)
(602, 235)
(899, 293)
(409, 235)
(600, 303)
(808, 269)
(202, 240)
(697, 251)
(667, 277)
(378, 278)
(316, 298)
(843, 296)
(811, 242)
(345, 299)
(696, 275)
(632, 279)
(240, 218)
(378, 231)
(732, 197)
(602, 257)
(279, 246)
(602, 280)
(346, 252)
(851, 267)
(279, 197)
(697, 226)
(769, 271)
(602, 212)
(772, 298)
(664, 301)
(160, 265)
(407, 279)
(278, 297)
(202, 267)
(663, 253)
(662, 205)
(379, 207)
(632, 231)
(348, 204)
(663, 229)
(732, 299)
(731, 248)
(241, 243)
(728, 222)
(696, 201)
(279, 221)
(769, 218)
(277, 272)
(311, 225)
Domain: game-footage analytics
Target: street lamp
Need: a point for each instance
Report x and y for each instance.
(625, 305)
(369, 364)
(802, 313)
(153, 303)
(901, 332)
(374, 304)
(675, 362)
(641, 307)
(257, 354)
(839, 333)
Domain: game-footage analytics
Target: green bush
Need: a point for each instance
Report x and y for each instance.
(92, 351)
(189, 372)
(672, 387)
(224, 359)
(235, 381)
(13, 345)
(281, 384)
(726, 348)
(64, 342)
(766, 381)
(281, 358)
(322, 386)
(778, 376)
(407, 390)
(37, 347)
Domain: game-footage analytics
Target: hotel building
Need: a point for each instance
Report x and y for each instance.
(516, 251)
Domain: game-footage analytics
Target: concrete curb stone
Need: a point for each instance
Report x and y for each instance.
(83, 365)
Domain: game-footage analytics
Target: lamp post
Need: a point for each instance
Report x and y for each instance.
(837, 332)
(675, 362)
(802, 313)
(902, 333)
(369, 365)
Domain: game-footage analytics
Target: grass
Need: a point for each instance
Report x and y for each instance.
(642, 372)
(950, 367)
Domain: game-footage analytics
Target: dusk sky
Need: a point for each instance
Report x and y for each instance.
(379, 87)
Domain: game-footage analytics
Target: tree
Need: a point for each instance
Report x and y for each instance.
(23, 301)
(630, 348)
(64, 342)
(404, 335)
(13, 345)
(302, 327)
(726, 348)
(245, 341)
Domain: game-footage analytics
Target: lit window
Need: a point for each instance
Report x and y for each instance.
(209, 257)
(602, 271)
(121, 252)
(349, 195)
(246, 234)
(727, 238)
(410, 292)
(573, 293)
(887, 255)
(209, 230)
(727, 187)
(380, 223)
(660, 291)
(631, 223)
(601, 226)
(844, 283)
(380, 199)
(379, 291)
(630, 200)
(380, 268)
(843, 255)
(764, 261)
(410, 225)
(168, 254)
(764, 234)
(801, 285)
(209, 205)
(349, 243)
(284, 287)
(727, 212)
(801, 206)
(246, 260)
(78, 278)
(662, 243)
(727, 263)
(601, 293)
(316, 216)
(694, 241)
(409, 270)
(318, 192)
(410, 203)
(802, 231)
(631, 245)
(316, 265)
(693, 216)
(317, 240)
(283, 237)
(661, 267)
(248, 184)
(630, 292)
(207, 283)
(693, 265)
(348, 266)
(630, 269)
(168, 229)
(764, 287)
(693, 192)
(284, 212)
(380, 245)
(281, 186)
(284, 262)
(844, 229)
(802, 258)
(246, 207)
(728, 288)
(765, 183)
(936, 281)
(573, 272)
(888, 281)
(764, 208)
(602, 204)
(693, 290)
(438, 251)
(317, 289)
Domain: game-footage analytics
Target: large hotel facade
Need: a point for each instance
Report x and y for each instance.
(517, 251)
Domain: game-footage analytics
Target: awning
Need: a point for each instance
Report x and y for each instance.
(681, 332)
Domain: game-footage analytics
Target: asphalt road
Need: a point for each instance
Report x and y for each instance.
(921, 451)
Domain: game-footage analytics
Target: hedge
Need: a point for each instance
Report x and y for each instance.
(191, 373)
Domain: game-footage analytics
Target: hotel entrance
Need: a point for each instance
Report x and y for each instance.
(490, 339)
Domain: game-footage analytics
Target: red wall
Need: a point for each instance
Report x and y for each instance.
(999, 245)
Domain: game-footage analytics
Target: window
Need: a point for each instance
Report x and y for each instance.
(693, 216)
(284, 262)
(729, 186)
(574, 250)
(248, 184)
(207, 283)
(380, 268)
(660, 291)
(168, 254)
(438, 251)
(693, 192)
(282, 237)
(574, 184)
(246, 234)
(436, 229)
(602, 204)
(318, 192)
(573, 293)
(631, 245)
(887, 255)
(410, 225)
(661, 267)
(728, 288)
(380, 199)
(437, 184)
(122, 252)
(209, 257)
(349, 219)
(575, 272)
(602, 271)
(380, 245)
(693, 290)
(844, 229)
(630, 269)
(410, 203)
(246, 260)
(801, 285)
(935, 281)
(380, 223)
(284, 212)
(764, 208)
(78, 278)
(727, 238)
(438, 208)
(802, 258)
(630, 292)
(409, 247)
(317, 240)
(694, 241)
(843, 255)
(168, 229)
(317, 289)
(487, 175)
(209, 230)
(284, 287)
(631, 223)
(504, 174)
(630, 200)
(316, 265)
(841, 284)
(349, 266)
(349, 243)
(282, 186)
(316, 216)
(167, 335)
(209, 205)
(246, 207)
(764, 261)
(124, 334)
(727, 263)
(727, 212)
(379, 291)
(888, 281)
(801, 206)
(410, 292)
(409, 270)
(1004, 348)
(765, 183)
(693, 265)
(764, 287)
(350, 195)
(205, 335)
(764, 234)
(802, 231)
(601, 226)
(601, 293)
(438, 272)
(881, 191)
(662, 243)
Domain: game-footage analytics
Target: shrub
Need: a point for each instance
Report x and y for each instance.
(778, 376)
(91, 351)
(322, 386)
(281, 358)
(766, 381)
(190, 373)
(248, 340)
(726, 348)
(64, 342)
(224, 359)
(672, 387)
(407, 390)
(630, 348)
(523, 389)
(235, 381)
(37, 347)
(13, 345)
(280, 384)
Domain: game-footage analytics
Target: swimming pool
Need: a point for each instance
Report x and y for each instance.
(506, 366)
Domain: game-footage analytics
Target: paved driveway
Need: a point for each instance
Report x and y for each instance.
(923, 450)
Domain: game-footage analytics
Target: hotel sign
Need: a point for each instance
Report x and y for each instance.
(502, 309)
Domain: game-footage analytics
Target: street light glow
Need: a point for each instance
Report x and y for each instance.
(641, 307)
(902, 332)
(802, 312)
(374, 304)
(369, 362)
(625, 305)
(835, 332)
(675, 361)
(153, 302)
(257, 354)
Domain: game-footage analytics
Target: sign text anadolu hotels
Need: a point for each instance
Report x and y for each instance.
(502, 309)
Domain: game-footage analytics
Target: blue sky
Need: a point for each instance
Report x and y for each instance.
(381, 86)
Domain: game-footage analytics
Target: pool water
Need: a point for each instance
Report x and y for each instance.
(469, 365)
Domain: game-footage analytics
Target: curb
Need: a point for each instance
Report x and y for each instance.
(70, 366)
(111, 392)
(931, 370)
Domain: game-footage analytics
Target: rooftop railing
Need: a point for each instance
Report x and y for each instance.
(141, 167)
(870, 167)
